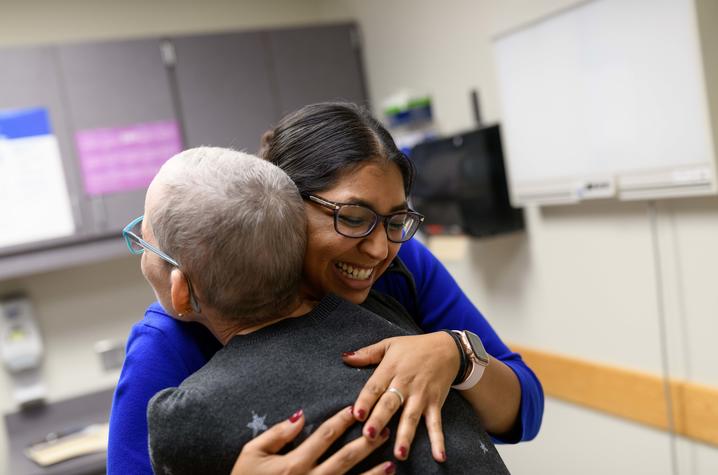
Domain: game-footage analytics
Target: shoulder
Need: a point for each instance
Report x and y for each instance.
(160, 353)
(431, 278)
(389, 309)
(174, 417)
(403, 282)
(423, 287)
(160, 338)
(174, 404)
(158, 324)
(423, 266)
(415, 255)
(175, 413)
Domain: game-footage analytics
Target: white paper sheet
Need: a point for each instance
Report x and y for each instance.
(34, 202)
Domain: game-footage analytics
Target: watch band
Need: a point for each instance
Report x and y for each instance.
(464, 363)
(477, 362)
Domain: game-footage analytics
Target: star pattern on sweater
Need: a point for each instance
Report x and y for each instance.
(257, 425)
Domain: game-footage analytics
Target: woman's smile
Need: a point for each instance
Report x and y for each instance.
(345, 266)
(354, 272)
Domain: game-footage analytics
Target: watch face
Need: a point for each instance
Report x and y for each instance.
(478, 347)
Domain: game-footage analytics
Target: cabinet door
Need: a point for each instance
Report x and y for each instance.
(124, 123)
(315, 64)
(224, 89)
(31, 200)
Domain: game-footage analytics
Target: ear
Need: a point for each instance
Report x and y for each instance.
(179, 293)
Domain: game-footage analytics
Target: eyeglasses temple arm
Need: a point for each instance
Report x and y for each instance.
(324, 203)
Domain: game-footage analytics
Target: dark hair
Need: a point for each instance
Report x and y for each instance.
(317, 144)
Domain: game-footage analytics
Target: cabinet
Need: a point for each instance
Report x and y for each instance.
(233, 87)
(222, 89)
(115, 91)
(317, 64)
(225, 89)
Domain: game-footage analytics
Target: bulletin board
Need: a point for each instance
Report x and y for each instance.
(38, 177)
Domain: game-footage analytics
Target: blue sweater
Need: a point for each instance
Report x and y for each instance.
(161, 352)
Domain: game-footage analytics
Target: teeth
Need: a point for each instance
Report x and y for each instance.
(354, 272)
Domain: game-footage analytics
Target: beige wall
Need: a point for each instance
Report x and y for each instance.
(74, 309)
(588, 280)
(438, 48)
(581, 280)
(47, 21)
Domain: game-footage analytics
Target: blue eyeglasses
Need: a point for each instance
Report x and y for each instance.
(133, 238)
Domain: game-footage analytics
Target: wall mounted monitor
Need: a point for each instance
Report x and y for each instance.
(461, 185)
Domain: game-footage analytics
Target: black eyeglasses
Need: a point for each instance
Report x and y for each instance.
(357, 221)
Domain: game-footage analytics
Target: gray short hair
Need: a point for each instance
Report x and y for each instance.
(237, 226)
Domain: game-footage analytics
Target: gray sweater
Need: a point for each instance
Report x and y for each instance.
(259, 379)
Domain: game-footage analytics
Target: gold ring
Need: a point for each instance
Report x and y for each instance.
(397, 393)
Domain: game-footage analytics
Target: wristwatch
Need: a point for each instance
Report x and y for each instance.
(477, 356)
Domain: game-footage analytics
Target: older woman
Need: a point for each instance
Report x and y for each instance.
(344, 162)
(279, 345)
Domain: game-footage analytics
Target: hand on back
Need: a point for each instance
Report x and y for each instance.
(259, 456)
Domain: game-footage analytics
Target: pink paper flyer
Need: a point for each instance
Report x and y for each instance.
(118, 159)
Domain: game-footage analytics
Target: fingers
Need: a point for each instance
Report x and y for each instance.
(436, 433)
(387, 405)
(321, 439)
(386, 468)
(421, 368)
(352, 453)
(410, 418)
(368, 355)
(271, 441)
(372, 391)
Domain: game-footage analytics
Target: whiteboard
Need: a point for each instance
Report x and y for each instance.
(606, 98)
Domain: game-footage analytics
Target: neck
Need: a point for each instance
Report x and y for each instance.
(308, 292)
(224, 329)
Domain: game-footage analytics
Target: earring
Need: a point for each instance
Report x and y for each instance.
(180, 315)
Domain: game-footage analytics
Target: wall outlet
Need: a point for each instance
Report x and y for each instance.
(111, 353)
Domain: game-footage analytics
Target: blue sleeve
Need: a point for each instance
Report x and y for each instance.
(160, 354)
(443, 305)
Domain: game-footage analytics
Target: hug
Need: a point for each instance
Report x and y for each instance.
(294, 283)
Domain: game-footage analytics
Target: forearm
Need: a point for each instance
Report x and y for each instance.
(517, 395)
(496, 398)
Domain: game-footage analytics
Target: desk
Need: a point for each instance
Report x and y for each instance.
(26, 427)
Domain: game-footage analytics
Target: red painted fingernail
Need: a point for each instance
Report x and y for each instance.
(372, 432)
(443, 456)
(402, 451)
(389, 468)
(384, 433)
(360, 414)
(348, 353)
(295, 417)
